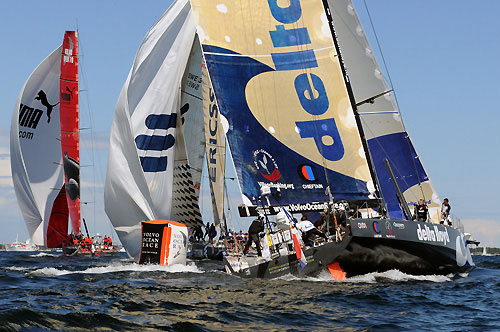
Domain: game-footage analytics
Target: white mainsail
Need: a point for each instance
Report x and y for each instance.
(190, 144)
(141, 158)
(215, 148)
(380, 116)
(35, 148)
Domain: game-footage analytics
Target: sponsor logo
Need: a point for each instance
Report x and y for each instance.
(398, 225)
(433, 234)
(29, 116)
(213, 114)
(68, 52)
(362, 225)
(388, 227)
(266, 165)
(151, 240)
(301, 207)
(158, 143)
(376, 227)
(67, 95)
(193, 81)
(312, 186)
(306, 83)
(306, 172)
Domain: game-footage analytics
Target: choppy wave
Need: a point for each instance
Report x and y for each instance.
(115, 294)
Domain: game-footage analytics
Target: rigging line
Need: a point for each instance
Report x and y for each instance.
(84, 81)
(394, 93)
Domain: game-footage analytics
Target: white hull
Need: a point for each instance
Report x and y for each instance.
(21, 247)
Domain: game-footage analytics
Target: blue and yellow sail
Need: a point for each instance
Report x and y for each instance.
(280, 87)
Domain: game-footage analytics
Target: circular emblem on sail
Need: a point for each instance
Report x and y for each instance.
(266, 165)
(306, 172)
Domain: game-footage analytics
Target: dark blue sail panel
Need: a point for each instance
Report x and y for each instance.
(259, 157)
(404, 162)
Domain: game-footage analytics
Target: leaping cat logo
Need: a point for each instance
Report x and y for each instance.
(43, 100)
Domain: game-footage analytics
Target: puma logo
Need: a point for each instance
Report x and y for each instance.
(66, 97)
(42, 97)
(70, 91)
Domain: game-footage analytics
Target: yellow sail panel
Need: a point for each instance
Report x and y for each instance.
(215, 147)
(280, 60)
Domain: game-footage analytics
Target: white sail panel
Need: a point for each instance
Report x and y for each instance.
(141, 159)
(189, 144)
(35, 148)
(380, 117)
(192, 113)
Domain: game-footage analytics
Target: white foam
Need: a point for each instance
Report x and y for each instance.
(176, 268)
(15, 268)
(43, 254)
(397, 275)
(370, 278)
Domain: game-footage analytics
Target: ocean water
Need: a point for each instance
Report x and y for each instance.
(45, 291)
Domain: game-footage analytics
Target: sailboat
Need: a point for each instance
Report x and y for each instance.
(19, 246)
(45, 150)
(309, 129)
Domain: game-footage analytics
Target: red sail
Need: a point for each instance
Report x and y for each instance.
(70, 136)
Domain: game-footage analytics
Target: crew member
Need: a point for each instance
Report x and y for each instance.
(255, 228)
(445, 212)
(308, 230)
(421, 211)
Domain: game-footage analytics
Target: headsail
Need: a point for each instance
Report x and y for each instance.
(70, 129)
(215, 148)
(279, 84)
(380, 117)
(189, 144)
(36, 159)
(141, 157)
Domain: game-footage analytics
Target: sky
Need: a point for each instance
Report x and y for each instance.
(442, 57)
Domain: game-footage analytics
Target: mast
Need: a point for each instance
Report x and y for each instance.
(70, 132)
(352, 101)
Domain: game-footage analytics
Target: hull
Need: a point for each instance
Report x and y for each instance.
(205, 251)
(98, 251)
(318, 258)
(21, 247)
(377, 245)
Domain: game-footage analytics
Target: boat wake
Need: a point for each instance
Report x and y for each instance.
(44, 254)
(114, 268)
(397, 276)
(374, 277)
